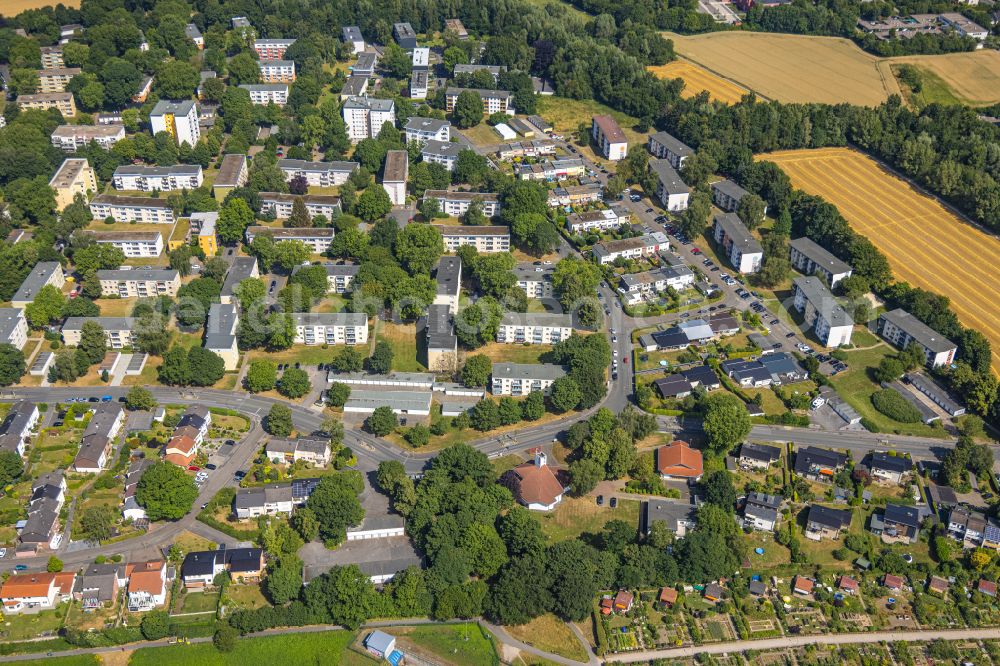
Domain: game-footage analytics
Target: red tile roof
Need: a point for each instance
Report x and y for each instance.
(847, 583)
(987, 587)
(679, 459)
(536, 484)
(803, 584)
(892, 581)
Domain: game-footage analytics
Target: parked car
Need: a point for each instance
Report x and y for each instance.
(211, 466)
(194, 468)
(600, 500)
(613, 503)
(21, 567)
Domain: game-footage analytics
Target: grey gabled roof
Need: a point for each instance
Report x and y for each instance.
(536, 319)
(882, 460)
(820, 297)
(918, 330)
(672, 144)
(418, 124)
(737, 232)
(35, 280)
(903, 515)
(819, 255)
(668, 177)
(329, 318)
(827, 517)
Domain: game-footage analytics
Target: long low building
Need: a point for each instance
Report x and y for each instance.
(903, 329)
(331, 328)
(598, 220)
(642, 285)
(317, 240)
(160, 178)
(262, 94)
(132, 209)
(519, 379)
(811, 259)
(118, 331)
(553, 169)
(414, 403)
(631, 248)
(485, 239)
(318, 174)
(280, 204)
(63, 101)
(830, 322)
(74, 137)
(534, 328)
(140, 282)
(132, 243)
(457, 203)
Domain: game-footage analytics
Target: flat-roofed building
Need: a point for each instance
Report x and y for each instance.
(442, 152)
(330, 328)
(280, 204)
(456, 204)
(74, 137)
(526, 148)
(609, 137)
(575, 195)
(317, 240)
(75, 176)
(365, 65)
(118, 331)
(630, 248)
(598, 220)
(485, 239)
(277, 71)
(442, 343)
(143, 282)
(132, 209)
(448, 276)
(52, 57)
(494, 101)
(13, 327)
(233, 173)
(262, 94)
(42, 274)
(536, 281)
(495, 70)
(394, 175)
(404, 35)
(518, 379)
(553, 169)
(179, 119)
(203, 228)
(220, 333)
(665, 147)
(271, 49)
(647, 283)
(829, 321)
(351, 34)
(144, 178)
(903, 329)
(241, 269)
(365, 116)
(455, 25)
(745, 254)
(809, 258)
(133, 243)
(62, 101)
(534, 328)
(419, 83)
(670, 189)
(318, 174)
(56, 79)
(409, 403)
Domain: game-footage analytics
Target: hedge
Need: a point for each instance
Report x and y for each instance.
(891, 403)
(600, 636)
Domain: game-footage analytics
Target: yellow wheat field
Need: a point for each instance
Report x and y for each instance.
(927, 245)
(696, 79)
(10, 8)
(973, 77)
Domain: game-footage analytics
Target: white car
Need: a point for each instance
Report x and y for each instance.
(614, 352)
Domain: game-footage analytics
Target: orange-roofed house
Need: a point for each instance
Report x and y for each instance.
(678, 460)
(180, 450)
(847, 584)
(36, 591)
(607, 604)
(802, 585)
(147, 585)
(535, 484)
(623, 601)
(668, 597)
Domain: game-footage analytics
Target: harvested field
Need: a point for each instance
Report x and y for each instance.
(791, 68)
(927, 245)
(697, 79)
(14, 7)
(971, 78)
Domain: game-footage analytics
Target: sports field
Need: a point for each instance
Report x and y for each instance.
(927, 245)
(696, 79)
(971, 78)
(791, 68)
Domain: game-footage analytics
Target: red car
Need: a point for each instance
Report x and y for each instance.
(194, 468)
(695, 250)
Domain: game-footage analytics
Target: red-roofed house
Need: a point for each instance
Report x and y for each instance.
(678, 460)
(802, 585)
(30, 591)
(147, 585)
(180, 450)
(623, 601)
(937, 585)
(668, 597)
(535, 485)
(847, 584)
(987, 587)
(893, 582)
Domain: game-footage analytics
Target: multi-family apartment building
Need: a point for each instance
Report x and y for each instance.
(442, 343)
(56, 79)
(262, 94)
(241, 269)
(272, 49)
(202, 227)
(132, 209)
(665, 147)
(365, 65)
(62, 101)
(534, 328)
(19, 424)
(75, 176)
(179, 119)
(44, 273)
(277, 71)
(118, 331)
(280, 204)
(671, 191)
(495, 70)
(553, 169)
(52, 57)
(351, 34)
(404, 35)
(233, 173)
(318, 174)
(442, 152)
(727, 195)
(448, 276)
(355, 86)
(140, 282)
(394, 175)
(365, 116)
(13, 327)
(609, 137)
(630, 248)
(330, 328)
(518, 379)
(745, 254)
(142, 92)
(647, 283)
(536, 281)
(220, 333)
(494, 101)
(74, 137)
(132, 243)
(903, 329)
(829, 321)
(811, 259)
(598, 220)
(426, 129)
(144, 178)
(485, 239)
(339, 277)
(419, 82)
(457, 203)
(317, 240)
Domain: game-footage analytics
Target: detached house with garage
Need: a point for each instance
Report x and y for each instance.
(826, 523)
(818, 464)
(891, 468)
(200, 568)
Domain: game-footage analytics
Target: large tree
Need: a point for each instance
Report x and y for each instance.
(336, 506)
(166, 492)
(418, 247)
(726, 422)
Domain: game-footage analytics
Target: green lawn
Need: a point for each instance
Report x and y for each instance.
(862, 337)
(198, 602)
(457, 643)
(406, 357)
(75, 660)
(305, 355)
(512, 353)
(576, 515)
(247, 595)
(319, 648)
(19, 627)
(933, 89)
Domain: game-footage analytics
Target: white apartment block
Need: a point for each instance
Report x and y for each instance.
(534, 328)
(598, 220)
(178, 119)
(903, 329)
(280, 204)
(318, 174)
(670, 189)
(159, 178)
(132, 209)
(272, 49)
(810, 259)
(365, 116)
(494, 101)
(73, 137)
(630, 248)
(486, 239)
(262, 94)
(553, 169)
(75, 176)
(536, 281)
(455, 204)
(351, 34)
(44, 273)
(277, 71)
(665, 147)
(118, 331)
(519, 379)
(609, 137)
(220, 333)
(331, 328)
(133, 243)
(339, 277)
(56, 79)
(63, 101)
(419, 83)
(317, 240)
(426, 129)
(394, 175)
(829, 321)
(744, 252)
(642, 285)
(52, 57)
(139, 282)
(13, 327)
(448, 277)
(441, 152)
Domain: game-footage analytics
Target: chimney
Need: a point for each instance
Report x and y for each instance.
(540, 458)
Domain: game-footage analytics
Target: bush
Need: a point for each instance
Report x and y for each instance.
(892, 404)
